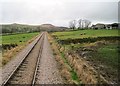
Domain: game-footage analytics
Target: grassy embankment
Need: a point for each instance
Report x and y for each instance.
(107, 53)
(12, 44)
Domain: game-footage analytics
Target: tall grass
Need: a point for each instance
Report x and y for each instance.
(72, 71)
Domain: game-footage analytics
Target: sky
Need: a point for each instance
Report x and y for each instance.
(57, 12)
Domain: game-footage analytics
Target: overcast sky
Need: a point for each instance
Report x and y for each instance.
(58, 12)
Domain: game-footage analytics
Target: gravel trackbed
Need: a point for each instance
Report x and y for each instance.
(48, 72)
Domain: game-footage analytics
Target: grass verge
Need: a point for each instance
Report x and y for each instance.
(67, 72)
(73, 73)
(8, 54)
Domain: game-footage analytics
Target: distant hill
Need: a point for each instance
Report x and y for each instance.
(50, 27)
(64, 28)
(47, 25)
(20, 28)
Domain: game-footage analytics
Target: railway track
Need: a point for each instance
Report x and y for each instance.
(26, 71)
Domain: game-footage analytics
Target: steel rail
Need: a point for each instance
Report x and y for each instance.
(12, 73)
(37, 64)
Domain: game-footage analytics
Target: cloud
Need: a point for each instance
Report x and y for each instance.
(58, 12)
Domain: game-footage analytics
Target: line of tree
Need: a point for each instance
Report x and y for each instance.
(82, 23)
(16, 28)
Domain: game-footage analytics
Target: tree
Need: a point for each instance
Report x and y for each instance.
(80, 23)
(83, 23)
(87, 23)
(72, 24)
(115, 25)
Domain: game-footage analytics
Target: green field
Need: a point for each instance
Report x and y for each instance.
(110, 54)
(17, 38)
(12, 41)
(0, 39)
(85, 34)
(101, 54)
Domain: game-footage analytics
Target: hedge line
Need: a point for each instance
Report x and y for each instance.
(88, 40)
(8, 46)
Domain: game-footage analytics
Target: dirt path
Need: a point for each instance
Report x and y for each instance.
(48, 72)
